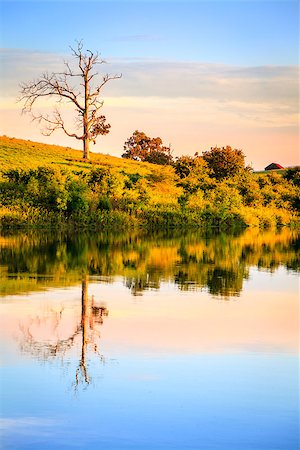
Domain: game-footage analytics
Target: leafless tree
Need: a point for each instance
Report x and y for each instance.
(83, 95)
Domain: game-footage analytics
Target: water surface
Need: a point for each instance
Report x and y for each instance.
(149, 341)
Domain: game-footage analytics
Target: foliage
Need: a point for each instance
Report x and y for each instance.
(224, 162)
(198, 176)
(184, 165)
(140, 147)
(216, 261)
(49, 189)
(293, 174)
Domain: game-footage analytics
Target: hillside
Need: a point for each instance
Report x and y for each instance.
(52, 186)
(21, 154)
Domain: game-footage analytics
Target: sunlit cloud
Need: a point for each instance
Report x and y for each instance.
(206, 111)
(196, 80)
(144, 77)
(266, 96)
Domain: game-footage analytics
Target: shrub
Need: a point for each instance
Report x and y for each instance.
(225, 162)
(76, 197)
(104, 203)
(293, 174)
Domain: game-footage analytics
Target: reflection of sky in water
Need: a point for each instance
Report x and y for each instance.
(180, 343)
(209, 401)
(180, 370)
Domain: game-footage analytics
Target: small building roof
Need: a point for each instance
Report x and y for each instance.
(274, 166)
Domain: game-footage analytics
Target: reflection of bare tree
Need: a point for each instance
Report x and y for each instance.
(90, 316)
(43, 350)
(86, 332)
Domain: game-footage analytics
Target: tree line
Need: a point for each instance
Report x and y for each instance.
(222, 161)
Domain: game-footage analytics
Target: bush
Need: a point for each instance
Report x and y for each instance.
(225, 162)
(76, 197)
(105, 197)
(104, 204)
(293, 174)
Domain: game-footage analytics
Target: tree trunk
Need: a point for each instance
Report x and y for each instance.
(84, 324)
(86, 148)
(86, 131)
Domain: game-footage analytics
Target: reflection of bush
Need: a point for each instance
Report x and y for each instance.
(219, 262)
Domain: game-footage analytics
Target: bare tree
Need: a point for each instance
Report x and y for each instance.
(84, 97)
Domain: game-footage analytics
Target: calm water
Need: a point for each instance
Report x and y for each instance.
(161, 341)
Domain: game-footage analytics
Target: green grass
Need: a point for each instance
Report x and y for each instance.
(22, 154)
(263, 172)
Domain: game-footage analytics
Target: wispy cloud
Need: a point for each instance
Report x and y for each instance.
(28, 425)
(255, 108)
(209, 111)
(200, 80)
(154, 78)
(18, 66)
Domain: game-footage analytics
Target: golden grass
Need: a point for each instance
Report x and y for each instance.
(22, 154)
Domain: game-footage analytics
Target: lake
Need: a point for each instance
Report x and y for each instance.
(163, 340)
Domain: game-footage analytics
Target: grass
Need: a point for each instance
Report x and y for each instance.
(262, 172)
(22, 154)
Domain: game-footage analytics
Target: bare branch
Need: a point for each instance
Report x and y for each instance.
(52, 124)
(48, 85)
(83, 97)
(106, 78)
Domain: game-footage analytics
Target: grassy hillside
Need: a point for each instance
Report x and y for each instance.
(21, 154)
(47, 185)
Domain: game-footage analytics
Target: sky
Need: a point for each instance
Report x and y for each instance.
(195, 73)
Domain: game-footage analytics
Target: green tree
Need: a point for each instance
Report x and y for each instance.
(225, 162)
(141, 147)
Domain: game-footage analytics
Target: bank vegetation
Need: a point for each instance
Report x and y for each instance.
(51, 186)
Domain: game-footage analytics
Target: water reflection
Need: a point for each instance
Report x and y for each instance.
(91, 315)
(220, 263)
(175, 348)
(42, 335)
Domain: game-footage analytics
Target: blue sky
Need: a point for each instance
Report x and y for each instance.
(196, 73)
(232, 32)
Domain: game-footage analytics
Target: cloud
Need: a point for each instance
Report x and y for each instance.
(19, 66)
(200, 80)
(210, 111)
(186, 103)
(28, 425)
(246, 92)
(145, 77)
